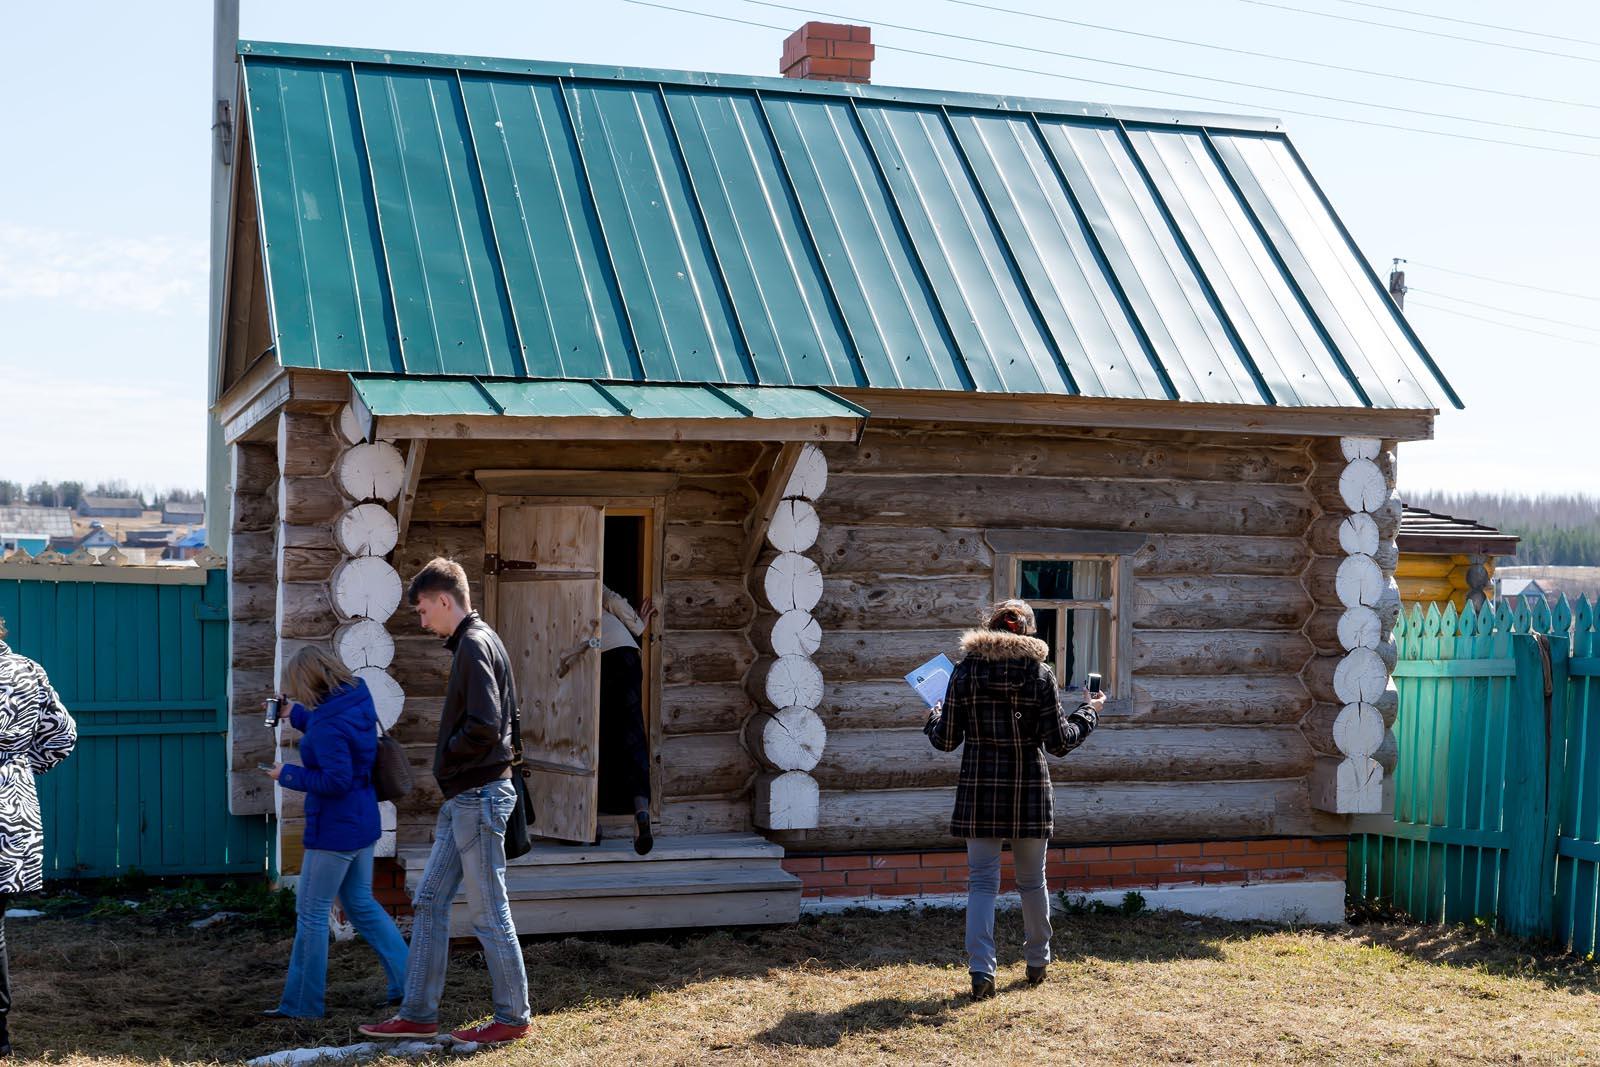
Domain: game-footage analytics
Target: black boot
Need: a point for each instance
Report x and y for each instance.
(982, 985)
(644, 840)
(1036, 974)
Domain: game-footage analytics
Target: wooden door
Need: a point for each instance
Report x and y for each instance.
(547, 612)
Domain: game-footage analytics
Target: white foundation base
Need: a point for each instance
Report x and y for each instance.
(1309, 903)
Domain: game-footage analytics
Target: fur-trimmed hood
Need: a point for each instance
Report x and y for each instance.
(1001, 645)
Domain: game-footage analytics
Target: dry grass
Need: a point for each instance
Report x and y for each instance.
(860, 988)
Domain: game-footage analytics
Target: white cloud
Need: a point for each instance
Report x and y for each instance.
(157, 275)
(86, 430)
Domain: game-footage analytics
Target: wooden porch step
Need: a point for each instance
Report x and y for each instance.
(707, 880)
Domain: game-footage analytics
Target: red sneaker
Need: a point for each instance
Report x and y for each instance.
(398, 1027)
(493, 1034)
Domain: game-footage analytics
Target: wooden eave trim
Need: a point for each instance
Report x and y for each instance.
(252, 401)
(1014, 542)
(1446, 545)
(1105, 413)
(611, 428)
(547, 483)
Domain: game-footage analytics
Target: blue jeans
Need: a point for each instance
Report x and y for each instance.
(469, 845)
(983, 885)
(325, 875)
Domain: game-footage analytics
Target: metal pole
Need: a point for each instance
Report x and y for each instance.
(224, 126)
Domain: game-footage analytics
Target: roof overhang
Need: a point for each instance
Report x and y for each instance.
(1117, 414)
(394, 407)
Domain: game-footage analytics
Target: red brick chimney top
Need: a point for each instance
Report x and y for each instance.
(829, 52)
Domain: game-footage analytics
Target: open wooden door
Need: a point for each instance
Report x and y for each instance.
(545, 564)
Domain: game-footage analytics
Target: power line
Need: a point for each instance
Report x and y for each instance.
(1504, 281)
(1013, 68)
(1469, 22)
(1425, 33)
(1505, 311)
(1172, 73)
(1509, 326)
(1268, 55)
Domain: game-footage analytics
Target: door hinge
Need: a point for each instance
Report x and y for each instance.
(493, 564)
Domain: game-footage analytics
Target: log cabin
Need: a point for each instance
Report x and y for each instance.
(821, 368)
(1448, 560)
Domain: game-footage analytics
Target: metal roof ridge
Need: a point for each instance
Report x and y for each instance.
(767, 84)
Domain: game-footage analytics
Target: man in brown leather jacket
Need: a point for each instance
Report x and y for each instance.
(472, 762)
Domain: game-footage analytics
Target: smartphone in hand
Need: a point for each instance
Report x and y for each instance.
(1093, 683)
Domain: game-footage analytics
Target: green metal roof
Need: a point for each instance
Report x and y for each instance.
(392, 395)
(437, 215)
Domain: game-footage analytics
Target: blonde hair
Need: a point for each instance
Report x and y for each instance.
(312, 675)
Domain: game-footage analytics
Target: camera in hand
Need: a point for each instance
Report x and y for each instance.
(274, 712)
(1093, 683)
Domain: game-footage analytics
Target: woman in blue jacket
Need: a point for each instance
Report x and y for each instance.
(334, 711)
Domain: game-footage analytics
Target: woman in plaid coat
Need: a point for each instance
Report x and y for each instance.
(1002, 703)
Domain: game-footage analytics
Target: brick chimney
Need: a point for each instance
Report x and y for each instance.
(828, 52)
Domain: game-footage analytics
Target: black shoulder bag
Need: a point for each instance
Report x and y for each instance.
(519, 838)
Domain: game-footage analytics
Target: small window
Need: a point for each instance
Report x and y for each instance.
(1074, 603)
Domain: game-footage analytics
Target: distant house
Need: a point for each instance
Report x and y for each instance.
(1524, 587)
(31, 528)
(154, 537)
(1447, 559)
(110, 507)
(188, 545)
(97, 538)
(183, 513)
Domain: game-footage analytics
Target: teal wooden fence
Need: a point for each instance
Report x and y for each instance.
(1497, 781)
(141, 662)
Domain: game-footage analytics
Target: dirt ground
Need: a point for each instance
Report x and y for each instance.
(859, 988)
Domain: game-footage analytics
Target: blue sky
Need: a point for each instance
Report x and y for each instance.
(105, 111)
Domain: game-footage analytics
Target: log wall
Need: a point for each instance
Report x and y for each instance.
(1206, 742)
(252, 634)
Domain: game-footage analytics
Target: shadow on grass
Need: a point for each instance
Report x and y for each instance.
(1482, 949)
(826, 1029)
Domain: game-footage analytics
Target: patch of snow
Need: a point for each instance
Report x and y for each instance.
(23, 913)
(365, 1050)
(212, 920)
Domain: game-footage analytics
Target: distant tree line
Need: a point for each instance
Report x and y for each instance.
(1556, 531)
(69, 494)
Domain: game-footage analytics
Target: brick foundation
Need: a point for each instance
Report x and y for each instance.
(1077, 868)
(389, 887)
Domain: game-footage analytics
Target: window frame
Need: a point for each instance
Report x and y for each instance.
(1011, 548)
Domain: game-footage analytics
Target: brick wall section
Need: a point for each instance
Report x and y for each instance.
(1077, 869)
(828, 51)
(389, 886)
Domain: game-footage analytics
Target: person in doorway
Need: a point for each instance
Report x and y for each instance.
(36, 733)
(1002, 703)
(624, 785)
(334, 712)
(472, 763)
